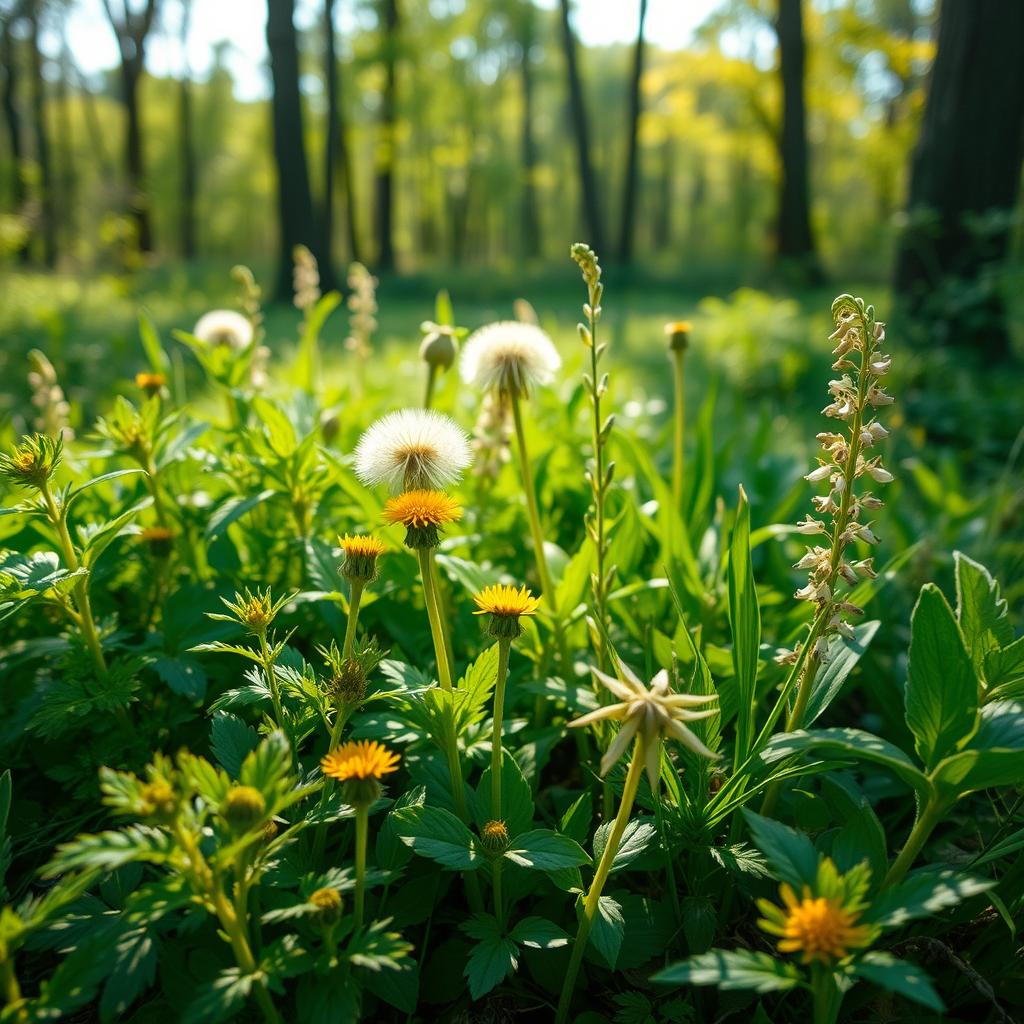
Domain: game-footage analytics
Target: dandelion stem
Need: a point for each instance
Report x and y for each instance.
(592, 901)
(428, 396)
(504, 645)
(933, 813)
(679, 427)
(355, 596)
(12, 990)
(362, 828)
(444, 673)
(547, 585)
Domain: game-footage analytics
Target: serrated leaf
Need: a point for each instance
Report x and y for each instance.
(231, 741)
(791, 854)
(436, 833)
(545, 850)
(741, 969)
(898, 976)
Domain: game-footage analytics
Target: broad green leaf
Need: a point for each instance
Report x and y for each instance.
(436, 833)
(898, 976)
(745, 622)
(757, 972)
(843, 655)
(637, 837)
(607, 930)
(994, 756)
(854, 744)
(232, 510)
(516, 797)
(490, 961)
(155, 354)
(942, 686)
(576, 820)
(231, 741)
(980, 610)
(923, 894)
(546, 851)
(791, 854)
(538, 933)
(1006, 665)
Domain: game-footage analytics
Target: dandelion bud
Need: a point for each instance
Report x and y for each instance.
(151, 383)
(348, 685)
(361, 554)
(159, 540)
(678, 334)
(243, 808)
(328, 905)
(269, 831)
(422, 513)
(505, 604)
(439, 346)
(330, 424)
(495, 838)
(34, 461)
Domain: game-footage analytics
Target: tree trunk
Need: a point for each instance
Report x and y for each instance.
(794, 241)
(967, 163)
(337, 162)
(294, 199)
(581, 134)
(626, 227)
(386, 143)
(531, 217)
(68, 179)
(48, 221)
(134, 162)
(661, 233)
(12, 119)
(186, 144)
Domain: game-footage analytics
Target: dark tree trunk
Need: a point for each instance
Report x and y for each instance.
(581, 134)
(967, 163)
(12, 119)
(531, 216)
(337, 162)
(386, 158)
(186, 144)
(294, 199)
(47, 218)
(68, 179)
(626, 227)
(131, 29)
(794, 241)
(662, 225)
(97, 141)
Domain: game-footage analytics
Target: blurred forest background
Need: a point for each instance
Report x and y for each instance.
(784, 143)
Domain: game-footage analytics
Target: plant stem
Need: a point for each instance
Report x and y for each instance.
(268, 668)
(679, 428)
(504, 646)
(12, 990)
(320, 836)
(823, 991)
(600, 877)
(355, 596)
(934, 811)
(444, 673)
(428, 396)
(362, 827)
(547, 585)
(86, 623)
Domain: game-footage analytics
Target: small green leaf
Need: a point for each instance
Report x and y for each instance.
(538, 933)
(790, 853)
(436, 833)
(923, 894)
(607, 931)
(898, 976)
(980, 610)
(231, 741)
(757, 972)
(546, 851)
(637, 836)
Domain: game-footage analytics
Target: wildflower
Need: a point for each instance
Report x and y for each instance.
(495, 838)
(33, 461)
(360, 766)
(243, 807)
(48, 398)
(653, 713)
(411, 449)
(151, 383)
(159, 540)
(255, 611)
(305, 279)
(328, 905)
(505, 604)
(821, 923)
(422, 513)
(225, 327)
(158, 800)
(361, 554)
(490, 437)
(362, 307)
(510, 357)
(678, 334)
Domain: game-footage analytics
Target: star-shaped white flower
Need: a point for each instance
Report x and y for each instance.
(654, 712)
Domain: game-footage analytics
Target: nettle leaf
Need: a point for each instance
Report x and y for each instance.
(942, 686)
(994, 756)
(231, 741)
(637, 837)
(741, 969)
(852, 744)
(741, 859)
(516, 797)
(745, 622)
(607, 931)
(183, 675)
(791, 854)
(539, 933)
(1004, 669)
(545, 850)
(490, 962)
(843, 655)
(980, 609)
(898, 976)
(923, 894)
(436, 833)
(474, 689)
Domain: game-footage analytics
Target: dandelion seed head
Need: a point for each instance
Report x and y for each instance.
(510, 357)
(225, 327)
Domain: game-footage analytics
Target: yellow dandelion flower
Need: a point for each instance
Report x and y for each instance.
(159, 539)
(151, 383)
(820, 928)
(504, 604)
(361, 554)
(360, 766)
(678, 334)
(422, 513)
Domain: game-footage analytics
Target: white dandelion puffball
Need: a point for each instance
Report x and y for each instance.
(510, 356)
(225, 327)
(413, 449)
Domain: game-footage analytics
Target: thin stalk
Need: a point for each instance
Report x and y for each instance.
(933, 813)
(12, 990)
(320, 835)
(547, 585)
(679, 427)
(590, 905)
(268, 668)
(159, 509)
(822, 991)
(355, 596)
(670, 870)
(362, 828)
(444, 674)
(428, 396)
(86, 623)
(504, 646)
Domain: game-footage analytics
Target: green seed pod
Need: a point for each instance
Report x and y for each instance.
(243, 808)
